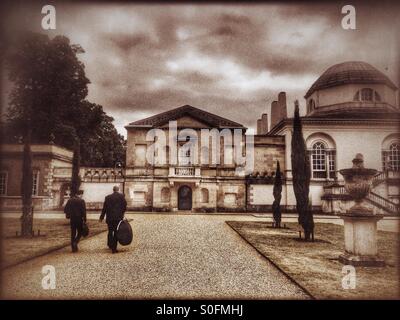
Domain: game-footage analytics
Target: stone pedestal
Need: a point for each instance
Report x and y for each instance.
(360, 237)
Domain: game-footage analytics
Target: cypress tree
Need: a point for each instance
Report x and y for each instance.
(277, 192)
(301, 175)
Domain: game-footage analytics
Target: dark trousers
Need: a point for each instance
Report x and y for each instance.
(112, 241)
(76, 232)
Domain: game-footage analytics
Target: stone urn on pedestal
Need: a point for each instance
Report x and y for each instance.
(360, 222)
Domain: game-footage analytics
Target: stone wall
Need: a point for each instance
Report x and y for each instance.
(267, 151)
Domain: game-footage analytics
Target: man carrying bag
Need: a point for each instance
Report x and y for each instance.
(113, 209)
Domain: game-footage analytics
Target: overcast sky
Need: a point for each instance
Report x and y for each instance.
(227, 59)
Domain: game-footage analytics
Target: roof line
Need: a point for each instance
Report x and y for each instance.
(186, 108)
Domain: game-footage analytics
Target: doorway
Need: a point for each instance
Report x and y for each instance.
(184, 198)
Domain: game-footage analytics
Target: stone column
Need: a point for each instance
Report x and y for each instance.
(360, 239)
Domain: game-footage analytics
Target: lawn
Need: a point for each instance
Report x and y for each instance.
(54, 234)
(315, 265)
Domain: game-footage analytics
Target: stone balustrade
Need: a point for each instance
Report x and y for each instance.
(89, 174)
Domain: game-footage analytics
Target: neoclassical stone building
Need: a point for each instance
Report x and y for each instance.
(189, 179)
(351, 108)
(51, 166)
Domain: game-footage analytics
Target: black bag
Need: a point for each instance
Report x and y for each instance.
(85, 230)
(124, 233)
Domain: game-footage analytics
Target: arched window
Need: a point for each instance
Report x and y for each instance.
(204, 195)
(367, 94)
(319, 161)
(165, 194)
(322, 161)
(394, 157)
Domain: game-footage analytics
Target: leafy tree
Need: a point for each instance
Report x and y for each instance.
(47, 104)
(277, 192)
(103, 145)
(301, 175)
(48, 77)
(49, 71)
(49, 85)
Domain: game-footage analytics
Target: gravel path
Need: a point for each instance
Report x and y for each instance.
(172, 256)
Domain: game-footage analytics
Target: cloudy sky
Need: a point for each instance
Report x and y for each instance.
(228, 59)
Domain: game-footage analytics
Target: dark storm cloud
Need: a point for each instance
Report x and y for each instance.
(230, 60)
(127, 42)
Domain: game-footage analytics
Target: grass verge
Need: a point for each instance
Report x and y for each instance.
(314, 265)
(55, 234)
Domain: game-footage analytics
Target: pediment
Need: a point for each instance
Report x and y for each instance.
(188, 122)
(188, 117)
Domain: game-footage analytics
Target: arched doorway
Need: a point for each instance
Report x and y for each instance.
(184, 198)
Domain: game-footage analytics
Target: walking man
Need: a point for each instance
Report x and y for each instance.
(75, 210)
(114, 208)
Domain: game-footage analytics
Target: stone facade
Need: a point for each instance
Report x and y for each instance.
(51, 168)
(207, 187)
(348, 111)
(212, 187)
(352, 108)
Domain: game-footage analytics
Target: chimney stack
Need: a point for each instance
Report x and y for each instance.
(278, 109)
(282, 105)
(262, 124)
(259, 126)
(275, 113)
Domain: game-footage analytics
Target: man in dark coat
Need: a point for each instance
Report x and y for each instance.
(75, 210)
(114, 208)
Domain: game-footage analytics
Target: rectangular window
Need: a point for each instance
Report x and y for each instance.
(139, 196)
(319, 163)
(228, 155)
(140, 155)
(322, 161)
(35, 184)
(185, 155)
(230, 199)
(3, 183)
(331, 162)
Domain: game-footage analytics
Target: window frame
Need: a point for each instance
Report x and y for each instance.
(35, 185)
(205, 195)
(311, 105)
(318, 159)
(374, 95)
(5, 182)
(394, 164)
(370, 95)
(165, 194)
(185, 155)
(326, 159)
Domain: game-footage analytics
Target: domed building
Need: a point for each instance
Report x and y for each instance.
(351, 89)
(351, 108)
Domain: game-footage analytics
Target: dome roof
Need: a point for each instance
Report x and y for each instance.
(349, 72)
